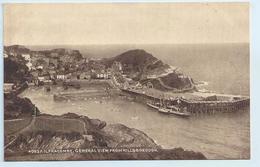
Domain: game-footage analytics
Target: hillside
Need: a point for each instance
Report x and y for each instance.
(47, 132)
(15, 70)
(16, 107)
(144, 67)
(138, 61)
(17, 49)
(62, 54)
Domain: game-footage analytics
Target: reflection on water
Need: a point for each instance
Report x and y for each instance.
(218, 136)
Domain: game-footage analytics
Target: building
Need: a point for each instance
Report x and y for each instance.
(39, 67)
(29, 65)
(41, 78)
(26, 57)
(53, 62)
(149, 85)
(5, 54)
(100, 75)
(117, 66)
(68, 76)
(61, 76)
(181, 76)
(52, 74)
(85, 75)
(8, 87)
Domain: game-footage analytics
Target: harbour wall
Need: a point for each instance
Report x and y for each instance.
(86, 94)
(192, 106)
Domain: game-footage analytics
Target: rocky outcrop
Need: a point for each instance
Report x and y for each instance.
(118, 135)
(15, 107)
(15, 70)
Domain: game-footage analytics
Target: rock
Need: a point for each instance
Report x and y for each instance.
(97, 123)
(119, 135)
(15, 107)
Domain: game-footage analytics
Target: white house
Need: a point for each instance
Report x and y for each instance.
(5, 55)
(61, 76)
(39, 67)
(29, 65)
(27, 57)
(41, 78)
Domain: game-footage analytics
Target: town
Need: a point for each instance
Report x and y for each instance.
(158, 85)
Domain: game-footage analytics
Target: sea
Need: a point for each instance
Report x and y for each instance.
(224, 67)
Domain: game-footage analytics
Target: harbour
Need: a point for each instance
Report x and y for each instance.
(221, 135)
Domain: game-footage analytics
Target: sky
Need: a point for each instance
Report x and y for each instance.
(130, 23)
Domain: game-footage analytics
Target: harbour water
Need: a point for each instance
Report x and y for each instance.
(219, 136)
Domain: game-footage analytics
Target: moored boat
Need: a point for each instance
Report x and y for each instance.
(154, 106)
(174, 110)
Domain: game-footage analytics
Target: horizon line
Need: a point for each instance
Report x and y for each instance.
(202, 43)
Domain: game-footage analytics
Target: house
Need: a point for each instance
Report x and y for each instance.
(68, 76)
(26, 57)
(5, 55)
(39, 67)
(109, 73)
(100, 75)
(61, 76)
(45, 75)
(53, 62)
(41, 78)
(182, 76)
(117, 66)
(52, 74)
(8, 87)
(149, 85)
(29, 65)
(85, 75)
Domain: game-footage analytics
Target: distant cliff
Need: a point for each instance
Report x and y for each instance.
(17, 49)
(20, 49)
(61, 54)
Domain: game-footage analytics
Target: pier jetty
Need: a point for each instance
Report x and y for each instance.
(192, 102)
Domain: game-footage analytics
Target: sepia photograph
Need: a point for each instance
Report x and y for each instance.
(126, 81)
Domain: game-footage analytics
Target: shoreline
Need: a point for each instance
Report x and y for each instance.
(42, 90)
(92, 133)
